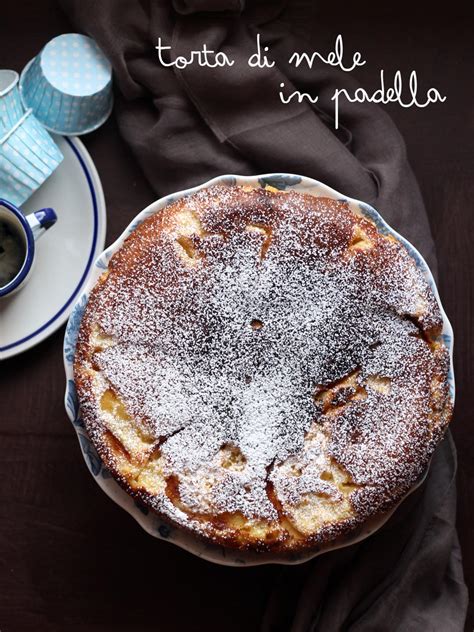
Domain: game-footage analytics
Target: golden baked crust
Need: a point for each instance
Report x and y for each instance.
(263, 368)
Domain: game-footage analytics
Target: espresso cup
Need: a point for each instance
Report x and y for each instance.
(18, 236)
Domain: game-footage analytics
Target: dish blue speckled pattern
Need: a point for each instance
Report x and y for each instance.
(149, 521)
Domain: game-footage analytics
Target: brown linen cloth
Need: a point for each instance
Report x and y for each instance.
(187, 126)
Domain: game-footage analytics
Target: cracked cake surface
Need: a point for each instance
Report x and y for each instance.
(263, 369)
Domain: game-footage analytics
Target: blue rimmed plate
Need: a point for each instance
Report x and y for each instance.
(65, 256)
(147, 519)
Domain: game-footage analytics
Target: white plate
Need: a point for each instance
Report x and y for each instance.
(147, 519)
(65, 254)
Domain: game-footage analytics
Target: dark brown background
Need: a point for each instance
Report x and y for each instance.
(72, 560)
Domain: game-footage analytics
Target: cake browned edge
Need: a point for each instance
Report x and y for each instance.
(330, 535)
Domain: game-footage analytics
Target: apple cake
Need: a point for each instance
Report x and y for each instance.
(263, 369)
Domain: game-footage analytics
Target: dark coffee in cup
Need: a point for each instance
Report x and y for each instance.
(18, 234)
(12, 252)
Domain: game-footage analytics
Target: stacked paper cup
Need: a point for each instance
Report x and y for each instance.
(28, 154)
(68, 85)
(66, 89)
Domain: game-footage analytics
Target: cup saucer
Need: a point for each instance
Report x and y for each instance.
(67, 254)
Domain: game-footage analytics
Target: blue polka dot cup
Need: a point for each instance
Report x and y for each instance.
(11, 109)
(28, 156)
(68, 85)
(18, 236)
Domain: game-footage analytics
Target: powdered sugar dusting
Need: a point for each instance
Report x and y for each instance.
(227, 348)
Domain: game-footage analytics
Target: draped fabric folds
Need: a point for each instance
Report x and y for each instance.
(188, 125)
